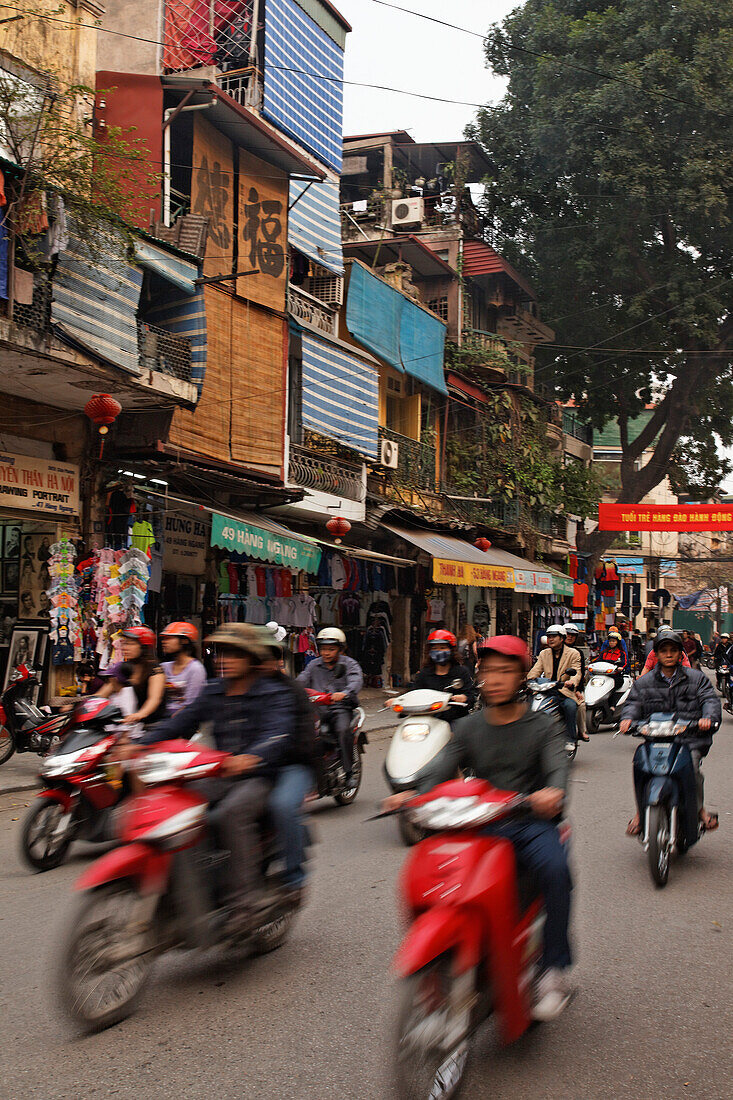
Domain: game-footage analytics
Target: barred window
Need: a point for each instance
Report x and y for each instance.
(439, 306)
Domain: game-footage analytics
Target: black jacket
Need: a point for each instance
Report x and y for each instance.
(720, 656)
(428, 678)
(690, 696)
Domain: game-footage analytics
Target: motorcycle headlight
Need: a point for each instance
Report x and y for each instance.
(156, 767)
(415, 731)
(596, 681)
(456, 813)
(57, 766)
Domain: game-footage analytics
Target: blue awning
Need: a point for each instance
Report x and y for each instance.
(95, 299)
(422, 346)
(185, 316)
(304, 71)
(340, 396)
(373, 311)
(314, 223)
(182, 273)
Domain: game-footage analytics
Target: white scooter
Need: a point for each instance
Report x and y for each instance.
(603, 699)
(420, 736)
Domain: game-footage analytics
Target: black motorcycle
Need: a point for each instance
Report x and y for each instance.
(25, 727)
(332, 780)
(546, 698)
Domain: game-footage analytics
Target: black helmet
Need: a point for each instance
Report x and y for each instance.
(668, 636)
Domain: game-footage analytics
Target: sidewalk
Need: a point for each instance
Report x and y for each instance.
(21, 772)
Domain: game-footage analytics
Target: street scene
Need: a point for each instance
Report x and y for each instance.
(366, 549)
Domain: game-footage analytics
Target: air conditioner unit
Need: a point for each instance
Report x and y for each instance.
(408, 211)
(389, 454)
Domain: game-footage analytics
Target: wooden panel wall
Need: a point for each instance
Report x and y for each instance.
(263, 231)
(205, 430)
(212, 194)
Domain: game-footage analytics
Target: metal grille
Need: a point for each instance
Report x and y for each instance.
(304, 307)
(327, 288)
(326, 475)
(415, 461)
(164, 351)
(439, 306)
(206, 32)
(37, 314)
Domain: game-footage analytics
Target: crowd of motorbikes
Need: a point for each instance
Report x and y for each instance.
(474, 923)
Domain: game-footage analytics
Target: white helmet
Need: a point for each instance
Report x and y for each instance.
(331, 635)
(557, 629)
(279, 632)
(571, 628)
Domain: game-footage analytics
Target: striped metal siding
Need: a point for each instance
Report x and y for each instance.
(340, 396)
(95, 300)
(304, 69)
(314, 224)
(182, 273)
(186, 316)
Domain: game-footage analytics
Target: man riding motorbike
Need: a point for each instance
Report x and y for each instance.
(685, 692)
(560, 663)
(572, 633)
(519, 750)
(253, 718)
(442, 670)
(720, 658)
(340, 676)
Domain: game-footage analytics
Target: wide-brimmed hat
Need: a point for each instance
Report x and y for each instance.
(240, 636)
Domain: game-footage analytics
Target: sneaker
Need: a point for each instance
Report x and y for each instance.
(551, 995)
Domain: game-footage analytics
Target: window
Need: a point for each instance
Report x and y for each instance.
(21, 102)
(439, 306)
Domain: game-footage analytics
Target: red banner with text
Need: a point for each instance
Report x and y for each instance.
(665, 517)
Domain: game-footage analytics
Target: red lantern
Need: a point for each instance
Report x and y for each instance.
(338, 526)
(102, 410)
(482, 544)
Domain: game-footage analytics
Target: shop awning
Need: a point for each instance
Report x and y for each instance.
(256, 536)
(314, 223)
(458, 562)
(340, 395)
(182, 273)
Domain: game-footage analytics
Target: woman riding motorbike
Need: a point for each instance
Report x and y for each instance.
(443, 671)
(147, 678)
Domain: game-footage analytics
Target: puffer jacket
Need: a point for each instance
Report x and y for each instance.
(689, 696)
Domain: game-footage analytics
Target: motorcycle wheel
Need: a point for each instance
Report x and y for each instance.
(424, 1071)
(40, 847)
(94, 989)
(410, 833)
(7, 744)
(593, 720)
(348, 794)
(659, 845)
(273, 935)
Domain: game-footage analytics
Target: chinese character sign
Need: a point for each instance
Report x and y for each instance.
(263, 231)
(212, 194)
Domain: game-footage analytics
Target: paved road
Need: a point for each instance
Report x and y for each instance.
(652, 1020)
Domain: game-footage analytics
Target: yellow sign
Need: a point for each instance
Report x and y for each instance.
(34, 485)
(478, 576)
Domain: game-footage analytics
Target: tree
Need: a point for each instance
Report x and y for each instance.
(613, 187)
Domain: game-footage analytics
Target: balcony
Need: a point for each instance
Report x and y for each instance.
(322, 474)
(304, 307)
(163, 351)
(573, 426)
(415, 461)
(240, 84)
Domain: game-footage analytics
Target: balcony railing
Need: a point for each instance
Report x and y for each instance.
(304, 307)
(238, 84)
(326, 475)
(572, 425)
(415, 461)
(164, 351)
(487, 341)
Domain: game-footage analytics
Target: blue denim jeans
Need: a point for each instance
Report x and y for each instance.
(286, 806)
(538, 849)
(570, 710)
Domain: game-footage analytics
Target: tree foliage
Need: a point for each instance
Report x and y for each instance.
(613, 188)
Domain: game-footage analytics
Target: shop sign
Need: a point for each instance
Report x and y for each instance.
(256, 542)
(184, 543)
(562, 586)
(530, 581)
(34, 485)
(665, 517)
(466, 573)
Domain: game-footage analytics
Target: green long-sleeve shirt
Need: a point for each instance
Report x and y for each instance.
(523, 756)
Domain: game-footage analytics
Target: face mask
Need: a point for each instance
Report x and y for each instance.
(440, 656)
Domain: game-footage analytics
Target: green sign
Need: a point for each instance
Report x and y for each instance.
(561, 585)
(258, 542)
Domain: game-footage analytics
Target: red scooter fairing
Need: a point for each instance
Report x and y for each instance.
(436, 931)
(3, 715)
(57, 794)
(320, 698)
(147, 865)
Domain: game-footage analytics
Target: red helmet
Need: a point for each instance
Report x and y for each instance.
(508, 646)
(142, 634)
(442, 636)
(181, 630)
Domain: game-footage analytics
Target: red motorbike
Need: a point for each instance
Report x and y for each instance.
(474, 942)
(25, 727)
(80, 786)
(161, 889)
(331, 776)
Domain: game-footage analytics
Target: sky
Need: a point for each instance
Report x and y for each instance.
(400, 50)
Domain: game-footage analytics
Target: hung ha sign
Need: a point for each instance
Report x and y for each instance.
(35, 485)
(185, 539)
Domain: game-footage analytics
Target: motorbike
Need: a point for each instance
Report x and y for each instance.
(474, 942)
(666, 795)
(415, 743)
(25, 727)
(545, 697)
(161, 889)
(331, 776)
(603, 699)
(80, 787)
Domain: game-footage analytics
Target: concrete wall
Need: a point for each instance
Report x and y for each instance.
(140, 18)
(50, 45)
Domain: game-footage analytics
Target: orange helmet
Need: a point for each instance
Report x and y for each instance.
(181, 630)
(142, 634)
(437, 636)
